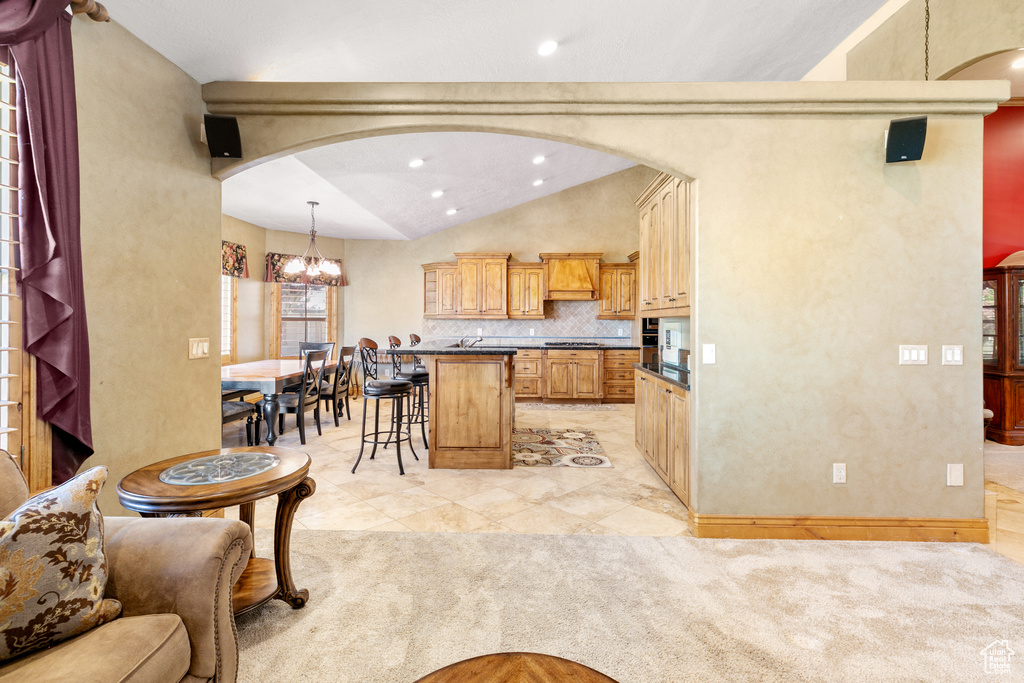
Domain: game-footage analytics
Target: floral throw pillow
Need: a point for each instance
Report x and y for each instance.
(52, 568)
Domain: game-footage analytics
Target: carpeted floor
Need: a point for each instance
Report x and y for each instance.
(1004, 465)
(391, 607)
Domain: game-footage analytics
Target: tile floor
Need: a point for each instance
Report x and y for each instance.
(628, 498)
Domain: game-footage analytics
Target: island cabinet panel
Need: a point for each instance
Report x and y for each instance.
(472, 404)
(618, 292)
(663, 431)
(525, 289)
(665, 210)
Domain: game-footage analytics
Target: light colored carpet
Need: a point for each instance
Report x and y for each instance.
(391, 607)
(1004, 465)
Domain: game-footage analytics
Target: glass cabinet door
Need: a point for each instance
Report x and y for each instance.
(989, 326)
(1018, 316)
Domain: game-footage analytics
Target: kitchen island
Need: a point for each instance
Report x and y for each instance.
(472, 405)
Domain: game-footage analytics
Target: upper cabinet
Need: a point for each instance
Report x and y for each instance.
(482, 285)
(571, 277)
(618, 291)
(664, 275)
(525, 290)
(439, 290)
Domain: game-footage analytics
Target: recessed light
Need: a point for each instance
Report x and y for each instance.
(1019, 64)
(538, 182)
(452, 212)
(436, 193)
(415, 163)
(547, 47)
(539, 159)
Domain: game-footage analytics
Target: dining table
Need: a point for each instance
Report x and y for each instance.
(268, 377)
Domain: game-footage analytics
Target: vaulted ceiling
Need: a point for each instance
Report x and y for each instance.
(366, 188)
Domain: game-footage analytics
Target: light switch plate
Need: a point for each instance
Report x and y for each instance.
(952, 354)
(198, 347)
(955, 475)
(913, 354)
(708, 354)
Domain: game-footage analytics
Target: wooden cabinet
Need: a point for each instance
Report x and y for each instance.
(571, 277)
(525, 290)
(1003, 350)
(572, 374)
(663, 431)
(482, 285)
(619, 375)
(529, 365)
(664, 275)
(439, 290)
(618, 292)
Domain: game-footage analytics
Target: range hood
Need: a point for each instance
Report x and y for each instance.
(571, 277)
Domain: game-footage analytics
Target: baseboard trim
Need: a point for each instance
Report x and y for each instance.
(841, 528)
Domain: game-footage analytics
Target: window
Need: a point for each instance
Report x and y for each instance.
(228, 318)
(302, 313)
(10, 303)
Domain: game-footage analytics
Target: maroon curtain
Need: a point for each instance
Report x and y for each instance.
(39, 35)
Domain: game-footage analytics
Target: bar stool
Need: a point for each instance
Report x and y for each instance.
(417, 413)
(417, 362)
(376, 390)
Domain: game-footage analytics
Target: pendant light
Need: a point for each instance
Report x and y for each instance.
(312, 261)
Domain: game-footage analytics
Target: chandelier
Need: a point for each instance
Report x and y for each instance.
(312, 261)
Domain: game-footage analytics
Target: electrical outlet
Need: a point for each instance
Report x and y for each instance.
(531, 331)
(708, 354)
(955, 475)
(620, 331)
(839, 473)
(479, 331)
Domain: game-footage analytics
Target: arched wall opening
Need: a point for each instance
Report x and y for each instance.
(813, 261)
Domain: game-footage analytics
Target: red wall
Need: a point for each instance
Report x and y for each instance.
(1004, 184)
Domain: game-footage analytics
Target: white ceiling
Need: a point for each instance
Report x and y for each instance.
(365, 187)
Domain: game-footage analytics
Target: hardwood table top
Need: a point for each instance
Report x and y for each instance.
(268, 376)
(143, 491)
(516, 667)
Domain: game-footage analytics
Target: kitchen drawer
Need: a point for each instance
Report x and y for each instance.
(618, 391)
(618, 375)
(528, 354)
(527, 387)
(575, 355)
(631, 355)
(527, 368)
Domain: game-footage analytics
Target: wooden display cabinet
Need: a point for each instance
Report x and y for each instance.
(618, 291)
(664, 277)
(439, 290)
(525, 291)
(1003, 350)
(482, 285)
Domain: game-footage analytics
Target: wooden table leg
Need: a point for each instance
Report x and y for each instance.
(287, 502)
(247, 513)
(270, 413)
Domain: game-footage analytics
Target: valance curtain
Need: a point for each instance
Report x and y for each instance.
(38, 33)
(275, 272)
(232, 260)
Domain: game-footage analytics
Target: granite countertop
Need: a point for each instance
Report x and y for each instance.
(670, 373)
(446, 348)
(527, 343)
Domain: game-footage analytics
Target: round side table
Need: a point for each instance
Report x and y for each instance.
(516, 667)
(187, 485)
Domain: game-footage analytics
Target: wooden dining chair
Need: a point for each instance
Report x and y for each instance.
(298, 403)
(333, 393)
(310, 346)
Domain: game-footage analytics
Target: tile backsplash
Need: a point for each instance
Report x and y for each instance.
(577, 319)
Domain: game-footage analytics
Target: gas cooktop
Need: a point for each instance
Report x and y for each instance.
(571, 344)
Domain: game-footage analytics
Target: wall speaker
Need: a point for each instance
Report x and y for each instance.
(222, 136)
(904, 140)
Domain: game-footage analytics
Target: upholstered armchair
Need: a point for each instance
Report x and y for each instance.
(173, 578)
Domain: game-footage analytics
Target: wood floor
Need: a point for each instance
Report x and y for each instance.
(627, 499)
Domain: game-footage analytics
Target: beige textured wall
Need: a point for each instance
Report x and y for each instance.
(251, 340)
(385, 294)
(961, 31)
(813, 262)
(150, 245)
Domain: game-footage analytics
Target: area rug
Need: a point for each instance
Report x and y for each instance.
(1004, 465)
(390, 607)
(567, 406)
(557, 448)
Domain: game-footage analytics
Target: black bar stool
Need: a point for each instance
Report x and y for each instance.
(417, 413)
(417, 362)
(376, 390)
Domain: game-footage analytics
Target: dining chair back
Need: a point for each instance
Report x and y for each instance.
(307, 397)
(333, 393)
